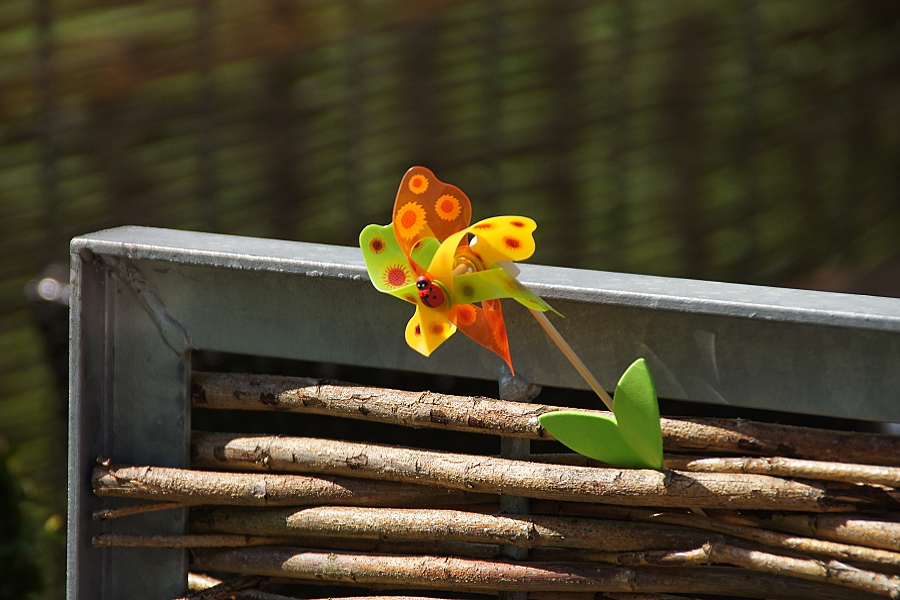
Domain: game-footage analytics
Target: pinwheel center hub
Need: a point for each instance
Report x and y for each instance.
(431, 292)
(468, 259)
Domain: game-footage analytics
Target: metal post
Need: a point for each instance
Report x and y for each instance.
(515, 388)
(128, 401)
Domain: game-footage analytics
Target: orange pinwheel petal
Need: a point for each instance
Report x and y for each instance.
(427, 207)
(477, 325)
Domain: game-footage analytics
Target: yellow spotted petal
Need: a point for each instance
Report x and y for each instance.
(503, 238)
(441, 267)
(427, 329)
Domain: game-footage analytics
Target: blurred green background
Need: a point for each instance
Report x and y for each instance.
(745, 141)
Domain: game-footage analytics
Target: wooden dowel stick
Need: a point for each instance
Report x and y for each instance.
(569, 353)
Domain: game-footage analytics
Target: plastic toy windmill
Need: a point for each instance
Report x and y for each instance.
(430, 256)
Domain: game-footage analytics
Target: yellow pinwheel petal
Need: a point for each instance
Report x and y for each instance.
(427, 329)
(441, 267)
(503, 238)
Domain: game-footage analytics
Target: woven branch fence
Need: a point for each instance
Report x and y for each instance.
(743, 509)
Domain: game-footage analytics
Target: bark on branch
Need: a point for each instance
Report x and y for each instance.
(260, 489)
(810, 569)
(198, 582)
(120, 540)
(790, 467)
(611, 595)
(218, 540)
(226, 590)
(448, 525)
(876, 531)
(716, 551)
(722, 553)
(520, 478)
(777, 466)
(107, 514)
(738, 526)
(510, 419)
(525, 531)
(782, 541)
(464, 575)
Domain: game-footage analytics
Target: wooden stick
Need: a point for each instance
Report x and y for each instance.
(465, 575)
(197, 582)
(255, 489)
(816, 570)
(107, 514)
(572, 357)
(510, 419)
(775, 466)
(611, 595)
(835, 550)
(200, 581)
(790, 467)
(216, 540)
(715, 551)
(876, 531)
(120, 540)
(860, 552)
(521, 478)
(447, 525)
(718, 552)
(226, 590)
(525, 532)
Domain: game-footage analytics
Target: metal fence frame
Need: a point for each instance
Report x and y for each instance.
(144, 298)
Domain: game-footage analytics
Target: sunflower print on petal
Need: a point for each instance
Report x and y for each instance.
(447, 207)
(466, 315)
(411, 220)
(418, 184)
(396, 276)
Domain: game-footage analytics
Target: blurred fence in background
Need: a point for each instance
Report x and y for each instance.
(743, 141)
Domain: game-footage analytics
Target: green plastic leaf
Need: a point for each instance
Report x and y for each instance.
(631, 438)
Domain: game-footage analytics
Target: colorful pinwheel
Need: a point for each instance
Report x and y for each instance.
(427, 257)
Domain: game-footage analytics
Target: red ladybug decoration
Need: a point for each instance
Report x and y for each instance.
(430, 293)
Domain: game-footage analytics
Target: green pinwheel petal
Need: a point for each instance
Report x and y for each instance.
(387, 265)
(424, 251)
(631, 438)
(494, 283)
